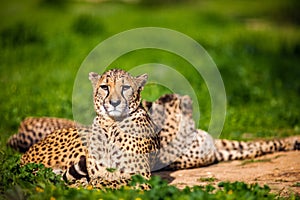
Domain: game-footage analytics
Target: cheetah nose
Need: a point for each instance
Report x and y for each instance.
(115, 103)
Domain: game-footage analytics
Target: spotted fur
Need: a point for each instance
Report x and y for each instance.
(116, 146)
(127, 138)
(33, 129)
(183, 146)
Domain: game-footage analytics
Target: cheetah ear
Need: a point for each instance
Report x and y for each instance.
(94, 77)
(141, 80)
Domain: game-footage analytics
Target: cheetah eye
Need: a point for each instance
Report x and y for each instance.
(125, 87)
(104, 87)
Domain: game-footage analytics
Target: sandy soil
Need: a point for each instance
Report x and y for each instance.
(280, 171)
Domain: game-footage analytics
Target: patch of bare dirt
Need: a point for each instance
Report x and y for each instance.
(280, 171)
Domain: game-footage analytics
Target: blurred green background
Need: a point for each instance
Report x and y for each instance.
(255, 44)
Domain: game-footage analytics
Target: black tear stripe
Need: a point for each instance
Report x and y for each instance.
(103, 103)
(126, 103)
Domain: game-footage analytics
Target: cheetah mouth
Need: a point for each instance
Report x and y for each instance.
(115, 114)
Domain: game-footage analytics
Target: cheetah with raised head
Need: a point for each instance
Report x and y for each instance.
(179, 144)
(183, 146)
(116, 146)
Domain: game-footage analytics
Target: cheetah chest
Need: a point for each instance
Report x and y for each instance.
(118, 151)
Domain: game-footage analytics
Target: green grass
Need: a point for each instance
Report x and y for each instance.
(207, 179)
(255, 161)
(256, 46)
(256, 54)
(36, 182)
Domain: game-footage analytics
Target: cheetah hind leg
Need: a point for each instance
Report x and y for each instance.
(34, 129)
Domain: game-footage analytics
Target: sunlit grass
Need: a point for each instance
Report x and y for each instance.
(255, 45)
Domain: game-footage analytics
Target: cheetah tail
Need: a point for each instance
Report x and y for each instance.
(237, 150)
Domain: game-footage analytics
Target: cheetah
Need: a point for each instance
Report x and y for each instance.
(175, 142)
(182, 146)
(203, 151)
(116, 146)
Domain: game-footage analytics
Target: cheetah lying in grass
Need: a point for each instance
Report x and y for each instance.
(128, 137)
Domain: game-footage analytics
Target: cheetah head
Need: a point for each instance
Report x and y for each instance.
(116, 93)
